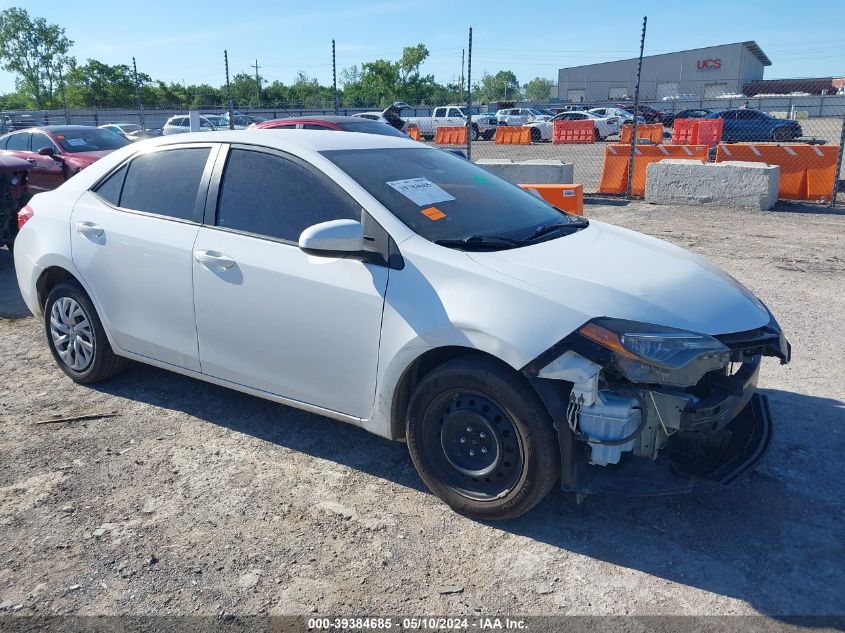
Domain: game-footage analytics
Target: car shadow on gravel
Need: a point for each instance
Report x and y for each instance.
(770, 539)
(11, 302)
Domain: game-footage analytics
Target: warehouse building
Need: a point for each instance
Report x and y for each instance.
(701, 72)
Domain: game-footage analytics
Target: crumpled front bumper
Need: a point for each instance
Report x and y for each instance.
(717, 456)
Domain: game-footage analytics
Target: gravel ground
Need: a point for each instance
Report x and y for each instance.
(196, 499)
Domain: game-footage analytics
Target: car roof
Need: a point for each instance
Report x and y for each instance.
(53, 128)
(314, 140)
(320, 117)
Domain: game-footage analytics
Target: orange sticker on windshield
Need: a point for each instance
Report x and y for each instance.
(433, 213)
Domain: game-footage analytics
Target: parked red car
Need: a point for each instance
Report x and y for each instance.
(57, 152)
(341, 123)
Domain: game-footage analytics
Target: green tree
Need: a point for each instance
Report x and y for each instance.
(244, 89)
(99, 84)
(307, 91)
(503, 86)
(202, 95)
(538, 89)
(34, 50)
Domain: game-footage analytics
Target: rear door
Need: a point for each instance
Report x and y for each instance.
(269, 316)
(132, 237)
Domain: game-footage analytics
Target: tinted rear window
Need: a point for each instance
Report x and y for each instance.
(19, 142)
(372, 127)
(165, 182)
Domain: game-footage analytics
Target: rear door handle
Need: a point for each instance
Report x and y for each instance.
(90, 230)
(213, 259)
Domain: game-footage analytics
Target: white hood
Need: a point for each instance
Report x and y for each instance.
(605, 270)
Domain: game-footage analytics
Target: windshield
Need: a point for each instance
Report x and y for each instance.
(82, 139)
(217, 121)
(441, 196)
(372, 127)
(476, 111)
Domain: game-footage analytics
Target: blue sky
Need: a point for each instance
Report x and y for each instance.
(184, 41)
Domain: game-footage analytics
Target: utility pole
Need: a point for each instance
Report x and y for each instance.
(463, 51)
(137, 95)
(636, 111)
(334, 79)
(229, 92)
(257, 84)
(64, 97)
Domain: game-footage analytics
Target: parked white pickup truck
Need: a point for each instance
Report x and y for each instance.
(483, 123)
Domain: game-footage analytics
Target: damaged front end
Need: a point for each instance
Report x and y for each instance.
(645, 409)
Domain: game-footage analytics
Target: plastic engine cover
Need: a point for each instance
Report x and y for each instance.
(612, 417)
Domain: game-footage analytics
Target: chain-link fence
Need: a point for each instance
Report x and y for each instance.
(802, 134)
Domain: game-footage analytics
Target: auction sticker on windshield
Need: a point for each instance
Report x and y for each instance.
(420, 191)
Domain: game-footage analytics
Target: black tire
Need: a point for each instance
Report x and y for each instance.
(516, 460)
(536, 135)
(427, 137)
(488, 134)
(475, 132)
(596, 135)
(782, 134)
(103, 363)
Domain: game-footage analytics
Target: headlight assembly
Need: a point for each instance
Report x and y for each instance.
(655, 354)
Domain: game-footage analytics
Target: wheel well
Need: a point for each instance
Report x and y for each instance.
(48, 280)
(418, 370)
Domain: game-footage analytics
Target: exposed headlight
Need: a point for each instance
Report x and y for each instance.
(648, 353)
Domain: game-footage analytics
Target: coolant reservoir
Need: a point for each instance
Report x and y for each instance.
(612, 417)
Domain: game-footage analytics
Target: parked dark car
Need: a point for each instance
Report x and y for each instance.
(747, 124)
(57, 152)
(13, 195)
(694, 113)
(340, 123)
(650, 114)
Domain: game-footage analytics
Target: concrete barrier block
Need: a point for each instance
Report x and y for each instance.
(535, 172)
(730, 183)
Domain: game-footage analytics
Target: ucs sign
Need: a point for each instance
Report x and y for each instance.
(708, 64)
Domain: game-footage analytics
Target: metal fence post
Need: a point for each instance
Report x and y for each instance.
(469, 96)
(229, 92)
(636, 113)
(138, 95)
(839, 163)
(334, 79)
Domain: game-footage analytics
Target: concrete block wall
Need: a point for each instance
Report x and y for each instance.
(530, 172)
(730, 183)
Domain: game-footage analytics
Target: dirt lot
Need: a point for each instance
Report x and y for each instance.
(197, 499)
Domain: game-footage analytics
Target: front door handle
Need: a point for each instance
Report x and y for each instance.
(90, 230)
(213, 259)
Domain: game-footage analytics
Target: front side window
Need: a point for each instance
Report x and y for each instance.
(42, 140)
(165, 182)
(272, 196)
(443, 197)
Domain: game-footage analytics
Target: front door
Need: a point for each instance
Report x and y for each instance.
(271, 317)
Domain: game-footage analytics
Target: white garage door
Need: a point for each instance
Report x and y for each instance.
(711, 91)
(617, 93)
(576, 96)
(668, 89)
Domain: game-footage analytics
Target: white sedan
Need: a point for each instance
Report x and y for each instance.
(623, 115)
(604, 126)
(390, 285)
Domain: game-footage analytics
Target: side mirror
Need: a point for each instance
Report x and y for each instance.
(333, 238)
(47, 151)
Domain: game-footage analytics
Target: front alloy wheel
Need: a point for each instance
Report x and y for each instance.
(481, 439)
